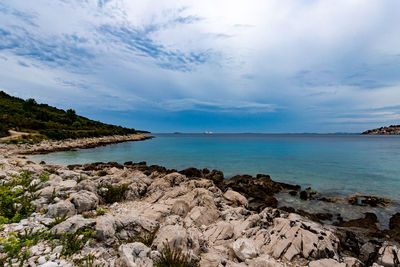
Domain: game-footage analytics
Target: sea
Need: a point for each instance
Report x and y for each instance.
(336, 165)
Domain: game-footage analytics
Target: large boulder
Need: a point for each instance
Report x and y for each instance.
(245, 248)
(84, 200)
(61, 208)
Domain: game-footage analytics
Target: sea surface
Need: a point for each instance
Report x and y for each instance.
(334, 165)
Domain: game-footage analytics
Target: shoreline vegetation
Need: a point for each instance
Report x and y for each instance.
(132, 214)
(37, 122)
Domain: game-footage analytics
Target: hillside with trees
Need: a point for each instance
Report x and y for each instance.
(46, 121)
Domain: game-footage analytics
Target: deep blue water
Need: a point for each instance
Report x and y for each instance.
(338, 165)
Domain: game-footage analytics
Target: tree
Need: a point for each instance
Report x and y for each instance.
(29, 104)
(71, 114)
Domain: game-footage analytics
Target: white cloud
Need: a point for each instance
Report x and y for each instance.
(310, 57)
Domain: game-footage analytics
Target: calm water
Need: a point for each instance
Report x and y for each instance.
(337, 165)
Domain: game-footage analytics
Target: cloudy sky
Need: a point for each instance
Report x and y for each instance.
(224, 66)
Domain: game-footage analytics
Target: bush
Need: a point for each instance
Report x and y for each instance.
(3, 130)
(111, 194)
(16, 196)
(171, 257)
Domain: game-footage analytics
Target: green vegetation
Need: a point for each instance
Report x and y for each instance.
(16, 245)
(16, 196)
(171, 257)
(57, 220)
(74, 242)
(49, 122)
(146, 237)
(111, 194)
(87, 261)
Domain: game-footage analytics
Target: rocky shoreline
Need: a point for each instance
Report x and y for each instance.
(48, 146)
(131, 214)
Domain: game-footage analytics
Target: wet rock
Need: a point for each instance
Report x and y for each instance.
(303, 195)
(366, 200)
(394, 222)
(245, 249)
(370, 221)
(61, 208)
(192, 173)
(84, 200)
(217, 177)
(324, 216)
(258, 191)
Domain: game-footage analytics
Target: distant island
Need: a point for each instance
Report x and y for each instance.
(391, 130)
(26, 119)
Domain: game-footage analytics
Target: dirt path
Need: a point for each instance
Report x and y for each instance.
(13, 135)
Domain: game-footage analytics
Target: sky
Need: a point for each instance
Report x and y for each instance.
(272, 66)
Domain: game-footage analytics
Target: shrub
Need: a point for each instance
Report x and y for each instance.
(113, 194)
(16, 196)
(171, 257)
(16, 246)
(74, 242)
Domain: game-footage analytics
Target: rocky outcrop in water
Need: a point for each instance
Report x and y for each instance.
(390, 130)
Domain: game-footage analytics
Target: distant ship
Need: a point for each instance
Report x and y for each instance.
(208, 132)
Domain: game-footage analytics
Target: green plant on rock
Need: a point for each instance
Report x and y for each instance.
(74, 242)
(57, 220)
(146, 238)
(16, 196)
(171, 257)
(87, 261)
(111, 194)
(16, 246)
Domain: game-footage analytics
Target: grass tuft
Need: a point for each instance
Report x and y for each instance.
(171, 257)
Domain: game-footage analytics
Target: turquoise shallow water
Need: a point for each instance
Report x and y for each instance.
(334, 165)
(338, 165)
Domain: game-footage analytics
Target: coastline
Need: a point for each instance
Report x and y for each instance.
(49, 146)
(234, 221)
